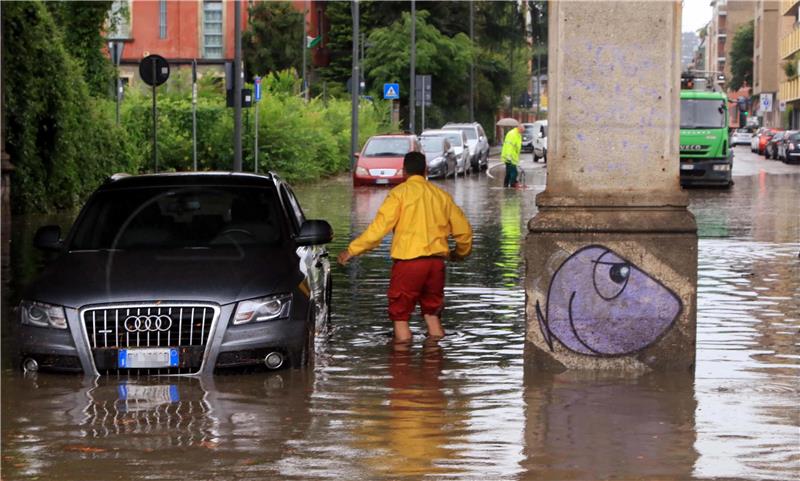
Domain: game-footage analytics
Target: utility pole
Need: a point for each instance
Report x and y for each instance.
(472, 62)
(237, 87)
(413, 75)
(355, 87)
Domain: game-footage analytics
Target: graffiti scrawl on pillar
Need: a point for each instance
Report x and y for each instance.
(600, 304)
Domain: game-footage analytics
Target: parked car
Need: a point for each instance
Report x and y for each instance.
(458, 141)
(527, 137)
(180, 274)
(741, 136)
(771, 148)
(540, 140)
(789, 147)
(764, 138)
(381, 160)
(477, 142)
(440, 156)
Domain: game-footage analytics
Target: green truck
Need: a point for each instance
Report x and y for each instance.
(706, 155)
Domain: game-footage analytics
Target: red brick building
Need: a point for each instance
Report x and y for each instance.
(183, 30)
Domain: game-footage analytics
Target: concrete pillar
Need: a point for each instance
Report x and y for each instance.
(612, 254)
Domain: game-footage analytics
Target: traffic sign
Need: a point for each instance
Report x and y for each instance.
(422, 89)
(391, 91)
(257, 87)
(154, 70)
(766, 103)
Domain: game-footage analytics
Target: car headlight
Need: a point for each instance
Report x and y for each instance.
(263, 309)
(42, 315)
(361, 171)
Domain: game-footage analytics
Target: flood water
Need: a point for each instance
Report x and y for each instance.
(465, 408)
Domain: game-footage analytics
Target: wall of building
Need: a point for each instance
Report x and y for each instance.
(767, 70)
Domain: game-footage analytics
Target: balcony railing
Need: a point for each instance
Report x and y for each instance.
(790, 44)
(789, 7)
(790, 90)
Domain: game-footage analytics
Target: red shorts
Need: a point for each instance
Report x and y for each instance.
(415, 281)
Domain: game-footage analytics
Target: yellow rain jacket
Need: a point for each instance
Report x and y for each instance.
(512, 145)
(422, 217)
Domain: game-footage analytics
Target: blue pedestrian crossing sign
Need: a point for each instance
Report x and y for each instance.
(391, 91)
(257, 86)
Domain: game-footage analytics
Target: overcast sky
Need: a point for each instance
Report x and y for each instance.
(696, 13)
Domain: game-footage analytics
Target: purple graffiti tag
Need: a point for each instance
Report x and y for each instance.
(600, 304)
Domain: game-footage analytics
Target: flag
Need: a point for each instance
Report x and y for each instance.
(313, 41)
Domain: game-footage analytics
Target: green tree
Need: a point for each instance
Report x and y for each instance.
(82, 26)
(741, 57)
(273, 39)
(445, 58)
(65, 143)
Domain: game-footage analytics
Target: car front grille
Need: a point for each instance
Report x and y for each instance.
(149, 325)
(184, 326)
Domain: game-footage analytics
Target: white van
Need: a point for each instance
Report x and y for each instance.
(540, 140)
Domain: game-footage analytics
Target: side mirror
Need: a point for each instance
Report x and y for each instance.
(357, 155)
(314, 232)
(481, 138)
(48, 238)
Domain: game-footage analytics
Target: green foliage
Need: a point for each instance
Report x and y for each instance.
(82, 26)
(273, 39)
(63, 143)
(790, 67)
(741, 57)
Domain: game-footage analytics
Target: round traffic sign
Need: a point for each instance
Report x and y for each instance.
(154, 70)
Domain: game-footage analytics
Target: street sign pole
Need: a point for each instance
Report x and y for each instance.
(423, 102)
(412, 77)
(257, 101)
(237, 87)
(194, 114)
(355, 89)
(155, 135)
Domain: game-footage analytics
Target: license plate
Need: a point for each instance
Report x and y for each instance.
(147, 357)
(687, 167)
(382, 181)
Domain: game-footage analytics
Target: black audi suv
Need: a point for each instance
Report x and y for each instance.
(183, 273)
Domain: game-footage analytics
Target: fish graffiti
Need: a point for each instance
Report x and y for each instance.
(600, 304)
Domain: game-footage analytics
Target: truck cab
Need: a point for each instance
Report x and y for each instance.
(705, 153)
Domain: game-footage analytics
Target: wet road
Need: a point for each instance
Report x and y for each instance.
(466, 408)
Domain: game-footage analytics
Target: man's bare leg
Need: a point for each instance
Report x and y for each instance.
(435, 330)
(402, 333)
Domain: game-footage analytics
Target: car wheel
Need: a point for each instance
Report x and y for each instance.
(302, 355)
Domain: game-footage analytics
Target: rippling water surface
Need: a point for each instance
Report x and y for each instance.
(465, 408)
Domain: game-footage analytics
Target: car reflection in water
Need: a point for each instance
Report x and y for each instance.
(178, 425)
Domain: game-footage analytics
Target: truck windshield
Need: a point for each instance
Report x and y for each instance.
(702, 114)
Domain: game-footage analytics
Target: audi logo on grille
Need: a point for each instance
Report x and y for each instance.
(145, 323)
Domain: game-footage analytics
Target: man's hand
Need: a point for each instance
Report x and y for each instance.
(344, 257)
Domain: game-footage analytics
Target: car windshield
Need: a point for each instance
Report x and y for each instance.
(432, 144)
(470, 131)
(529, 129)
(794, 137)
(179, 217)
(702, 114)
(384, 146)
(454, 137)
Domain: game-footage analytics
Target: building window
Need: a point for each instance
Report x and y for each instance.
(162, 19)
(212, 29)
